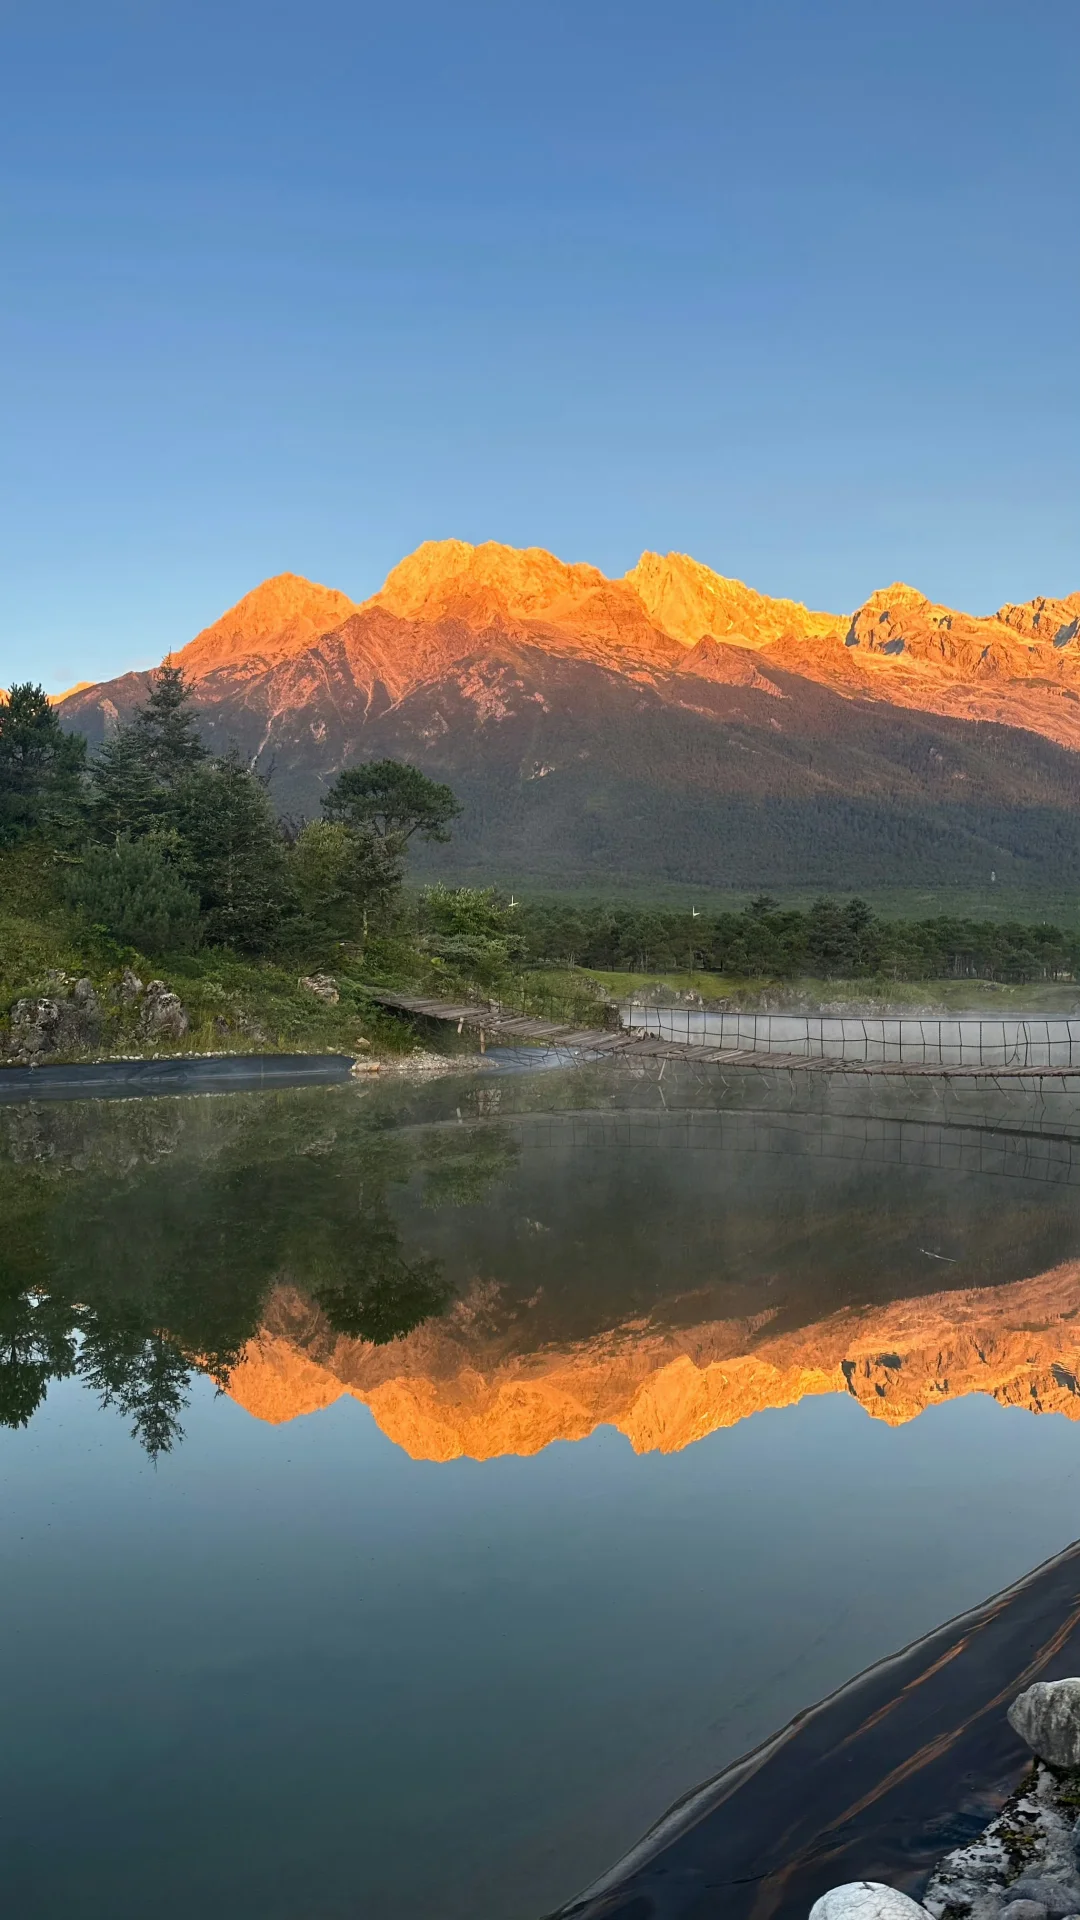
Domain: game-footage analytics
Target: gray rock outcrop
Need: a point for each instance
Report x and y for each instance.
(1053, 1896)
(1047, 1716)
(163, 1014)
(1025, 1860)
(54, 1023)
(84, 997)
(131, 988)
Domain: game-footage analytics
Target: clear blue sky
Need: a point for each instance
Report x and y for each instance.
(790, 285)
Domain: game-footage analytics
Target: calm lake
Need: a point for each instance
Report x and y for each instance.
(409, 1491)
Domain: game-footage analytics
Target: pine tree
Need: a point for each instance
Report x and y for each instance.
(393, 799)
(127, 799)
(41, 768)
(141, 766)
(135, 890)
(167, 728)
(232, 853)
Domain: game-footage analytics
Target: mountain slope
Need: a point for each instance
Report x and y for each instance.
(602, 728)
(280, 617)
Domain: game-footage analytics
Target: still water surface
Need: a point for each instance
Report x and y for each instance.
(407, 1493)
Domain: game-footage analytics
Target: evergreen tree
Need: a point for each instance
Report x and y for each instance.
(140, 1371)
(41, 769)
(232, 853)
(143, 763)
(167, 728)
(126, 797)
(394, 800)
(37, 1344)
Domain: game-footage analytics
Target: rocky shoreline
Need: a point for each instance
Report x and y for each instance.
(1025, 1865)
(71, 1022)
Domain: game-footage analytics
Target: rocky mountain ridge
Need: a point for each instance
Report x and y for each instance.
(527, 594)
(566, 706)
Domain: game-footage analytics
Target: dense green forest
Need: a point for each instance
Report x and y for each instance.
(830, 939)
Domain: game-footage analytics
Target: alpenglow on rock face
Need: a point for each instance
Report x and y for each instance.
(866, 1900)
(687, 725)
(1047, 1716)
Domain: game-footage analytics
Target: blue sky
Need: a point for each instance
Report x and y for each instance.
(791, 286)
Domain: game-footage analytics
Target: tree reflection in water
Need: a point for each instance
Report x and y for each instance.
(142, 1239)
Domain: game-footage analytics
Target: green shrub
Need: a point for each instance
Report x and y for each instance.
(136, 893)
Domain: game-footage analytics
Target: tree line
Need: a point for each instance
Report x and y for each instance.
(166, 847)
(830, 938)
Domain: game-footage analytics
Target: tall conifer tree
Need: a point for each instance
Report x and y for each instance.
(138, 770)
(41, 768)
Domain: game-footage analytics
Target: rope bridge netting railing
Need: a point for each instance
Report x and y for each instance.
(874, 1040)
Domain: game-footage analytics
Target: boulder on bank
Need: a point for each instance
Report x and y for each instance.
(131, 988)
(1052, 1899)
(866, 1900)
(1047, 1716)
(163, 1014)
(68, 1021)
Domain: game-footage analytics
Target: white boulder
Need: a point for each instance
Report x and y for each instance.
(866, 1900)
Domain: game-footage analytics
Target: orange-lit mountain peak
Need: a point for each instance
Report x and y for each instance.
(899, 594)
(281, 617)
(521, 589)
(903, 623)
(449, 577)
(686, 600)
(1056, 621)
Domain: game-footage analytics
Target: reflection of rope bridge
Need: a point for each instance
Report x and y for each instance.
(862, 1140)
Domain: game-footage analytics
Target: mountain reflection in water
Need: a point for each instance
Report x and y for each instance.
(492, 1266)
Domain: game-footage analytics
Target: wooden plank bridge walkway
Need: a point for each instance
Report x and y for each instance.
(493, 1024)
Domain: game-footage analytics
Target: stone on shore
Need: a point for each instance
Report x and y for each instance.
(163, 1015)
(1054, 1898)
(866, 1900)
(1047, 1716)
(131, 988)
(69, 1022)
